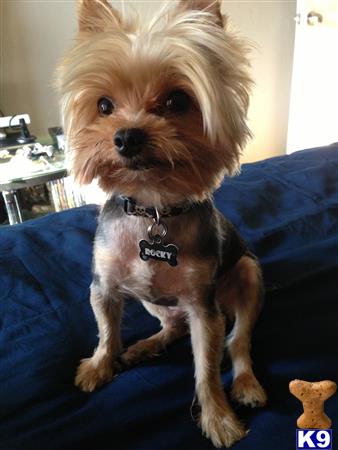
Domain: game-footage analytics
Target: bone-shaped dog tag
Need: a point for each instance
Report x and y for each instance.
(158, 251)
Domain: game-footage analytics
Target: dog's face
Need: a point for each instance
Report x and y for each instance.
(155, 111)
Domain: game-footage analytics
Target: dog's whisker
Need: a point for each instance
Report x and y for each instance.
(99, 143)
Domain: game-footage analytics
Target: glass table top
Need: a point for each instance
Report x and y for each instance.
(17, 171)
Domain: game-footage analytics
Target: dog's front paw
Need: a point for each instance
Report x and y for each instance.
(247, 391)
(223, 431)
(92, 373)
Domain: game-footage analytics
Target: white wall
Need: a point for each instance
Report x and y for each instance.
(313, 117)
(34, 34)
(271, 26)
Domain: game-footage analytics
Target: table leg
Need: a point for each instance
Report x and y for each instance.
(12, 207)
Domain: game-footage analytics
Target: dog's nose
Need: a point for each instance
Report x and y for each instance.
(129, 141)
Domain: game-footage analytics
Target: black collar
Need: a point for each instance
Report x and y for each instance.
(130, 207)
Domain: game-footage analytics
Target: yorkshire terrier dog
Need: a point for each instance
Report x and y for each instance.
(156, 112)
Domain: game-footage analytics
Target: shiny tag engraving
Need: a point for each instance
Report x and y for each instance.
(158, 251)
(155, 249)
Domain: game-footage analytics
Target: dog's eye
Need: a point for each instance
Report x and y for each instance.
(177, 101)
(105, 106)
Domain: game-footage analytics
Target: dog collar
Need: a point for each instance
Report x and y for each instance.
(130, 207)
(155, 248)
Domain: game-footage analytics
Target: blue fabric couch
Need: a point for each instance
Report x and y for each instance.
(285, 207)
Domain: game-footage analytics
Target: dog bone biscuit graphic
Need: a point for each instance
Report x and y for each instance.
(313, 396)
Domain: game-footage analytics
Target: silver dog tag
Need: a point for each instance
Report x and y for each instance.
(158, 251)
(155, 249)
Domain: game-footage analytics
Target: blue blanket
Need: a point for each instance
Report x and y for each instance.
(285, 207)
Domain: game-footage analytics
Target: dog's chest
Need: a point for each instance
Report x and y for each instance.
(120, 260)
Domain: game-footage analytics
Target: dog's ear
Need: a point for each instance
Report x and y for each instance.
(210, 6)
(97, 15)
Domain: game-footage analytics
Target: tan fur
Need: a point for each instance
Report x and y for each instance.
(217, 419)
(100, 368)
(137, 64)
(178, 48)
(239, 296)
(174, 327)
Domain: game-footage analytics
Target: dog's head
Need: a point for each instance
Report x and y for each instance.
(155, 110)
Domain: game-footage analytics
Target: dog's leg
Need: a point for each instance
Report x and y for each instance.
(173, 327)
(99, 369)
(207, 328)
(240, 295)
